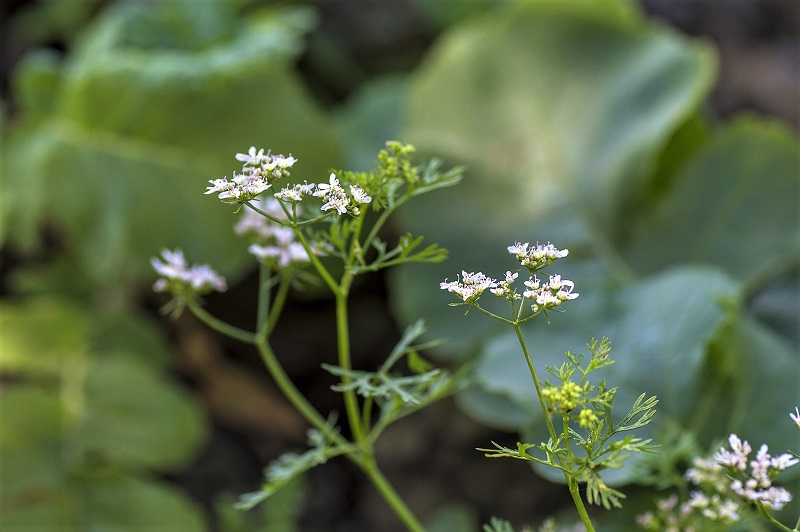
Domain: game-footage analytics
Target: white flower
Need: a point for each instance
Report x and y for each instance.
(241, 188)
(737, 457)
(503, 289)
(796, 416)
(359, 196)
(333, 195)
(295, 193)
(783, 461)
(281, 255)
(470, 287)
(179, 278)
(257, 172)
(549, 295)
(251, 157)
(538, 257)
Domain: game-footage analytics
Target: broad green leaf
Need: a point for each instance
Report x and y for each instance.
(765, 390)
(134, 417)
(32, 457)
(560, 117)
(120, 167)
(372, 116)
(115, 503)
(733, 205)
(42, 336)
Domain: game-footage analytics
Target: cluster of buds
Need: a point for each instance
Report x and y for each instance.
(544, 295)
(258, 172)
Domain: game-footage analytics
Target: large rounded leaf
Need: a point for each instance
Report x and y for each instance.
(133, 417)
(138, 127)
(733, 205)
(560, 116)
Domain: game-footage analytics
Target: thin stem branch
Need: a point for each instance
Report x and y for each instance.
(391, 497)
(343, 341)
(572, 483)
(219, 325)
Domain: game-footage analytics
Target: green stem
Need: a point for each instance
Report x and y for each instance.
(219, 325)
(262, 313)
(397, 504)
(343, 340)
(772, 520)
(293, 394)
(277, 304)
(572, 483)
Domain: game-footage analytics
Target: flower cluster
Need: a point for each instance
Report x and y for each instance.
(258, 172)
(726, 483)
(545, 295)
(181, 279)
(470, 286)
(550, 294)
(538, 257)
(757, 484)
(337, 199)
(332, 193)
(273, 244)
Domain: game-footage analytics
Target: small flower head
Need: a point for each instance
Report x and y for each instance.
(795, 416)
(503, 289)
(258, 172)
(334, 195)
(295, 193)
(536, 258)
(182, 280)
(271, 243)
(550, 294)
(470, 287)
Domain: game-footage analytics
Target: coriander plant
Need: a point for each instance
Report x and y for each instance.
(584, 409)
(329, 230)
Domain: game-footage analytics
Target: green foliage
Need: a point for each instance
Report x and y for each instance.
(137, 121)
(587, 134)
(89, 418)
(595, 434)
(290, 466)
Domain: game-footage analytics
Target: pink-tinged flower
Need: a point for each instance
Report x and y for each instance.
(181, 279)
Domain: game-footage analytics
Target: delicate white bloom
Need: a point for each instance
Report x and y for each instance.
(503, 289)
(359, 196)
(258, 170)
(783, 461)
(549, 295)
(470, 287)
(537, 257)
(295, 193)
(251, 157)
(257, 226)
(796, 416)
(281, 255)
(178, 277)
(273, 244)
(241, 188)
(737, 456)
(334, 195)
(707, 472)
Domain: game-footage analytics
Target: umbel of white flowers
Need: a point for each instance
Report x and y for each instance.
(544, 295)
